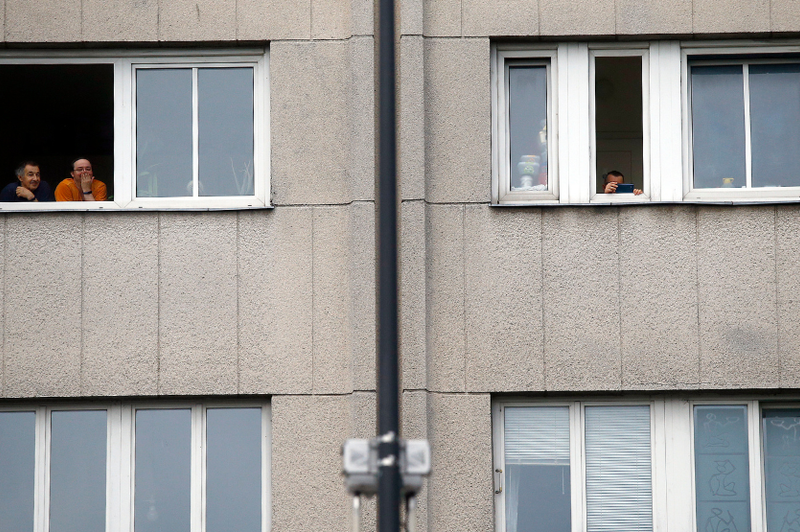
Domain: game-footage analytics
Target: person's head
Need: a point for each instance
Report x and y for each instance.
(29, 175)
(80, 167)
(614, 177)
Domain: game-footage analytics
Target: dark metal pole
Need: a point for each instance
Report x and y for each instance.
(388, 382)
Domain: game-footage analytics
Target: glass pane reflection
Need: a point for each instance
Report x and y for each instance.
(17, 445)
(163, 470)
(781, 430)
(527, 117)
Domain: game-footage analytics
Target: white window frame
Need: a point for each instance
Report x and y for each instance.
(125, 64)
(766, 53)
(120, 459)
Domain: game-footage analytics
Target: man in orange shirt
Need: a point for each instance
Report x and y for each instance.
(82, 186)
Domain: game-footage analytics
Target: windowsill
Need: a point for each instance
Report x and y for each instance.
(688, 201)
(110, 206)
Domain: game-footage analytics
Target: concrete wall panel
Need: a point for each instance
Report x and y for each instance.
(731, 16)
(330, 19)
(787, 238)
(33, 21)
(310, 91)
(119, 20)
(361, 108)
(197, 306)
(362, 294)
(332, 355)
(362, 17)
(441, 18)
(411, 160)
(43, 305)
(737, 297)
(460, 486)
(197, 20)
(307, 488)
(581, 299)
(275, 301)
(508, 17)
(653, 17)
(273, 19)
(120, 304)
(458, 126)
(565, 17)
(785, 15)
(504, 333)
(658, 297)
(445, 295)
(412, 294)
(410, 17)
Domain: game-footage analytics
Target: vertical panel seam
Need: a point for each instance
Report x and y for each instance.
(619, 293)
(541, 280)
(238, 317)
(697, 294)
(158, 304)
(5, 294)
(82, 385)
(777, 302)
(313, 305)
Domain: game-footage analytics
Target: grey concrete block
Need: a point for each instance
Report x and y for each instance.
(35, 21)
(654, 17)
(414, 404)
(197, 303)
(275, 301)
(503, 279)
(120, 304)
(784, 15)
(119, 20)
(506, 17)
(307, 488)
(362, 17)
(731, 16)
(458, 125)
(309, 94)
(460, 494)
(787, 239)
(411, 127)
(361, 108)
(789, 343)
(362, 294)
(42, 302)
(411, 17)
(332, 353)
(330, 19)
(445, 315)
(197, 20)
(441, 18)
(581, 299)
(737, 297)
(412, 294)
(658, 297)
(273, 19)
(564, 17)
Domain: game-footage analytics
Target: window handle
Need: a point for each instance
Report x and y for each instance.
(499, 481)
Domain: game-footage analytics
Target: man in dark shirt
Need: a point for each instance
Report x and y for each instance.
(30, 186)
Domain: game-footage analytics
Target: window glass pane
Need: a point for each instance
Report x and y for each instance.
(718, 126)
(233, 477)
(782, 468)
(722, 479)
(527, 119)
(775, 124)
(78, 471)
(164, 132)
(163, 470)
(225, 121)
(17, 446)
(537, 469)
(618, 471)
(618, 119)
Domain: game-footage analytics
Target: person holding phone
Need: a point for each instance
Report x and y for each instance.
(614, 178)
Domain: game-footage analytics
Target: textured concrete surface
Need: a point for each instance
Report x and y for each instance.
(503, 273)
(42, 302)
(275, 301)
(330, 19)
(737, 297)
(787, 238)
(410, 17)
(445, 298)
(653, 17)
(731, 16)
(457, 121)
(441, 18)
(32, 21)
(564, 17)
(120, 304)
(119, 20)
(198, 304)
(309, 99)
(785, 15)
(414, 419)
(502, 18)
(362, 273)
(273, 19)
(658, 297)
(460, 486)
(411, 127)
(332, 355)
(361, 105)
(581, 299)
(362, 17)
(197, 20)
(412, 295)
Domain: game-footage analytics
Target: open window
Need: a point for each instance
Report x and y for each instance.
(177, 129)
